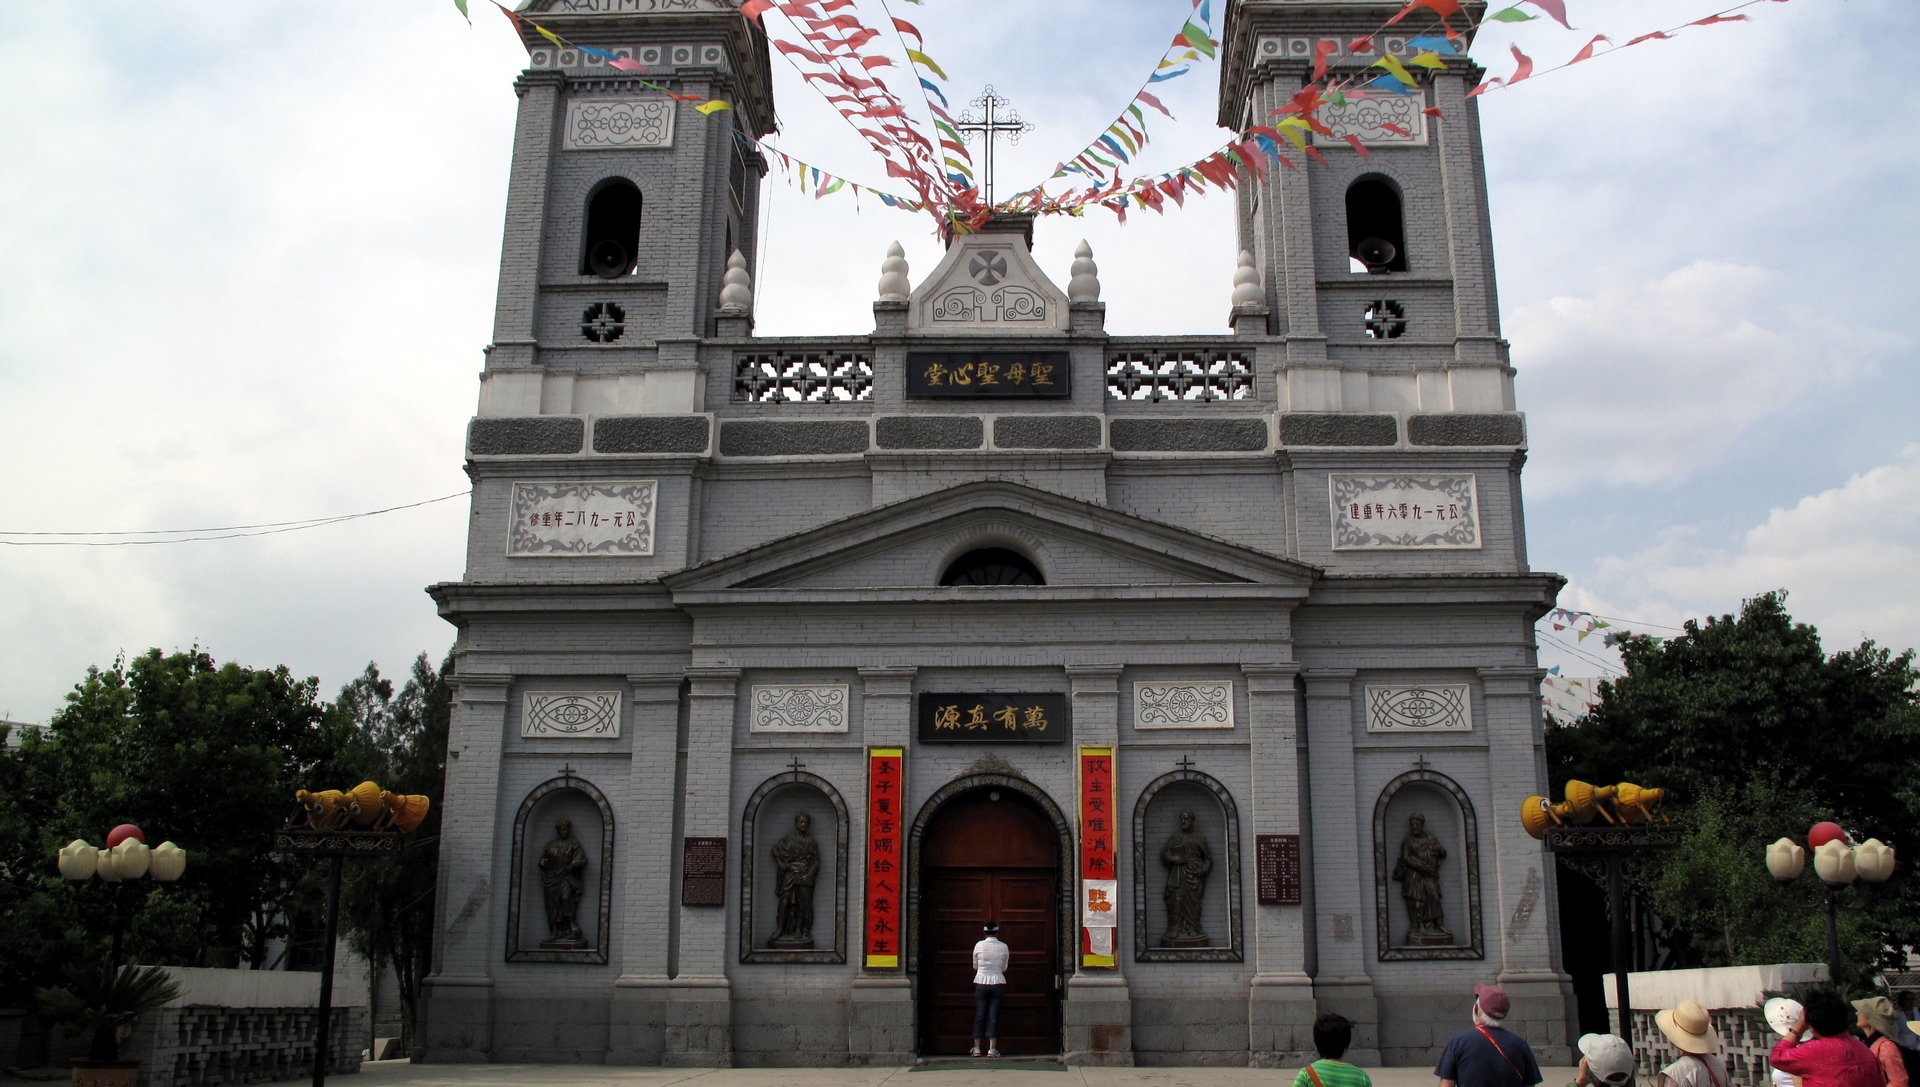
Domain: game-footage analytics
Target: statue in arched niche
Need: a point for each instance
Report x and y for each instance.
(563, 876)
(1188, 860)
(796, 864)
(1418, 873)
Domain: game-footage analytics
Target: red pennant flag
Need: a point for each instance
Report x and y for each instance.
(908, 28)
(1321, 51)
(1485, 87)
(1660, 34)
(1252, 153)
(1360, 45)
(1357, 145)
(1432, 111)
(1587, 53)
(752, 9)
(1317, 156)
(1442, 8)
(870, 63)
(1172, 188)
(1712, 19)
(1396, 129)
(1555, 8)
(1526, 66)
(1155, 103)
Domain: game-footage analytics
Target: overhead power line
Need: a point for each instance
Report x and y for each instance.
(198, 535)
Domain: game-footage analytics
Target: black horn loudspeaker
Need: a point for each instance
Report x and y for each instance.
(1375, 253)
(609, 260)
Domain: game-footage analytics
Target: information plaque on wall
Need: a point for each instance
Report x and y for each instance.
(703, 872)
(995, 718)
(1277, 869)
(988, 375)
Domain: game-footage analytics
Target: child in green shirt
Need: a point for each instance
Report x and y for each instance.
(1331, 1036)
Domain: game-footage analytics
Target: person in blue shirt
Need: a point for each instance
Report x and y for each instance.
(1487, 1054)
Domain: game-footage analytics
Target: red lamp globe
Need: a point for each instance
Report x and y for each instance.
(127, 830)
(1822, 833)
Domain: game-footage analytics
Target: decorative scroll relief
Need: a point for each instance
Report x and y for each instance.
(633, 7)
(594, 123)
(582, 519)
(987, 283)
(592, 715)
(1182, 705)
(1443, 707)
(1405, 512)
(814, 708)
(1370, 119)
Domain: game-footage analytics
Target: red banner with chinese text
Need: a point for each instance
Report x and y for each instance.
(886, 789)
(1099, 908)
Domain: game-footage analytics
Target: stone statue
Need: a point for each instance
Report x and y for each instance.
(1189, 861)
(1418, 873)
(796, 861)
(563, 867)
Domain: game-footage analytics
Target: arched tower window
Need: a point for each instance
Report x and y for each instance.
(1376, 230)
(992, 566)
(611, 245)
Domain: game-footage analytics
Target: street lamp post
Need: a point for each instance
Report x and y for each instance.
(1838, 862)
(125, 858)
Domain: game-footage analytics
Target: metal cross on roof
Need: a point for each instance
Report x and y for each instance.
(996, 117)
(1185, 763)
(1421, 763)
(796, 766)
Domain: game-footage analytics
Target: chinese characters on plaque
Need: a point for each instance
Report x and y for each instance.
(703, 872)
(993, 375)
(1277, 869)
(1404, 512)
(1099, 903)
(995, 718)
(581, 519)
(885, 842)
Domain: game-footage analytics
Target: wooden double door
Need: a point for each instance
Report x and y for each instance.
(991, 856)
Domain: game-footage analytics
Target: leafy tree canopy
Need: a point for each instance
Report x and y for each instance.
(1757, 733)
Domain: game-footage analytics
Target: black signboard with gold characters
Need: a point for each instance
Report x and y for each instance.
(988, 375)
(995, 718)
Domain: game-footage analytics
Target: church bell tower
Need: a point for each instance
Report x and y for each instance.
(625, 203)
(1378, 267)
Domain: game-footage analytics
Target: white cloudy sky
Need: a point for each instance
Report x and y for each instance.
(247, 257)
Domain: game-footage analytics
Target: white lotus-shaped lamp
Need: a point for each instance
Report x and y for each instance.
(103, 866)
(168, 863)
(1833, 863)
(130, 858)
(78, 860)
(1873, 859)
(1786, 860)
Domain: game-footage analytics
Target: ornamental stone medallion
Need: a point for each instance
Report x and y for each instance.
(1440, 707)
(595, 123)
(799, 708)
(988, 283)
(1182, 705)
(590, 715)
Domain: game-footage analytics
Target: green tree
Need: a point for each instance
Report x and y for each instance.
(1756, 733)
(399, 741)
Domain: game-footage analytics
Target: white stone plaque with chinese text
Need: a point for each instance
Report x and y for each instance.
(582, 715)
(582, 519)
(809, 708)
(1436, 707)
(1405, 512)
(1182, 705)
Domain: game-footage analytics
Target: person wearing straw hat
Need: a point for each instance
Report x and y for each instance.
(1881, 1027)
(1606, 1060)
(1832, 1057)
(1781, 1013)
(1690, 1029)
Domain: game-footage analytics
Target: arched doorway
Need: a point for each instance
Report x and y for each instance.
(990, 854)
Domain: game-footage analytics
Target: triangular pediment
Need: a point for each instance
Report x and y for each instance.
(1076, 544)
(988, 284)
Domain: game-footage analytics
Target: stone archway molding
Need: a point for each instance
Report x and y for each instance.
(516, 875)
(1469, 830)
(749, 824)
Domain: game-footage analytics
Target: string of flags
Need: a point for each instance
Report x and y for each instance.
(824, 183)
(833, 55)
(1569, 696)
(1585, 624)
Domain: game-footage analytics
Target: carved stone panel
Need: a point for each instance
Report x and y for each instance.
(988, 283)
(798, 708)
(565, 519)
(597, 123)
(1434, 707)
(1402, 512)
(585, 715)
(1202, 704)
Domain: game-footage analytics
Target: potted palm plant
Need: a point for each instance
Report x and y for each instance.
(109, 1001)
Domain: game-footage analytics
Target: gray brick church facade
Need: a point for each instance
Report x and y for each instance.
(1279, 576)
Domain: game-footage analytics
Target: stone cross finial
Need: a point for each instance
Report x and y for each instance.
(1246, 283)
(1085, 284)
(893, 275)
(737, 290)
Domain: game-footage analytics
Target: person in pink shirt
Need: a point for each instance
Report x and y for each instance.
(1832, 1057)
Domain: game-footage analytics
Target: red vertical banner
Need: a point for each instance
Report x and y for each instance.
(1099, 839)
(886, 793)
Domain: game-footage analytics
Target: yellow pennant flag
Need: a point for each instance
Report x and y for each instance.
(551, 36)
(1430, 60)
(1399, 70)
(1292, 128)
(712, 107)
(925, 61)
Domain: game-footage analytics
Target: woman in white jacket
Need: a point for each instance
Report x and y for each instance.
(989, 985)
